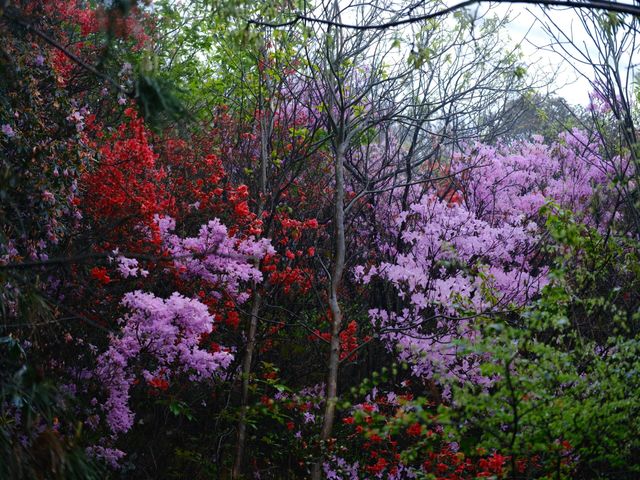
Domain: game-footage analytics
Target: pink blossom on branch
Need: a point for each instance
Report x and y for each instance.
(216, 257)
(471, 245)
(169, 332)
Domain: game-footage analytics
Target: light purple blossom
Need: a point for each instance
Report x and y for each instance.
(129, 267)
(216, 257)
(111, 456)
(47, 196)
(169, 331)
(8, 130)
(470, 246)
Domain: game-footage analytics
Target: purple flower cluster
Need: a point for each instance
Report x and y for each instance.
(167, 330)
(215, 257)
(471, 245)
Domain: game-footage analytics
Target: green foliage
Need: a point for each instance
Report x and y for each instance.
(565, 373)
(156, 98)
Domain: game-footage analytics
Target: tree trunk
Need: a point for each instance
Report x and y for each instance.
(246, 374)
(334, 306)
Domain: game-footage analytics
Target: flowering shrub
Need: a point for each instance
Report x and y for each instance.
(397, 435)
(214, 257)
(473, 247)
(169, 331)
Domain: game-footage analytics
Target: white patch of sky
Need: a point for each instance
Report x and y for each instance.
(536, 43)
(572, 80)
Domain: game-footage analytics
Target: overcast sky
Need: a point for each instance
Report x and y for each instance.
(570, 84)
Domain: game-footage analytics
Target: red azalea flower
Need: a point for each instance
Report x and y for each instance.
(100, 274)
(414, 430)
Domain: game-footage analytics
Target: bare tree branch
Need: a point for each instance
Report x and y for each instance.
(615, 7)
